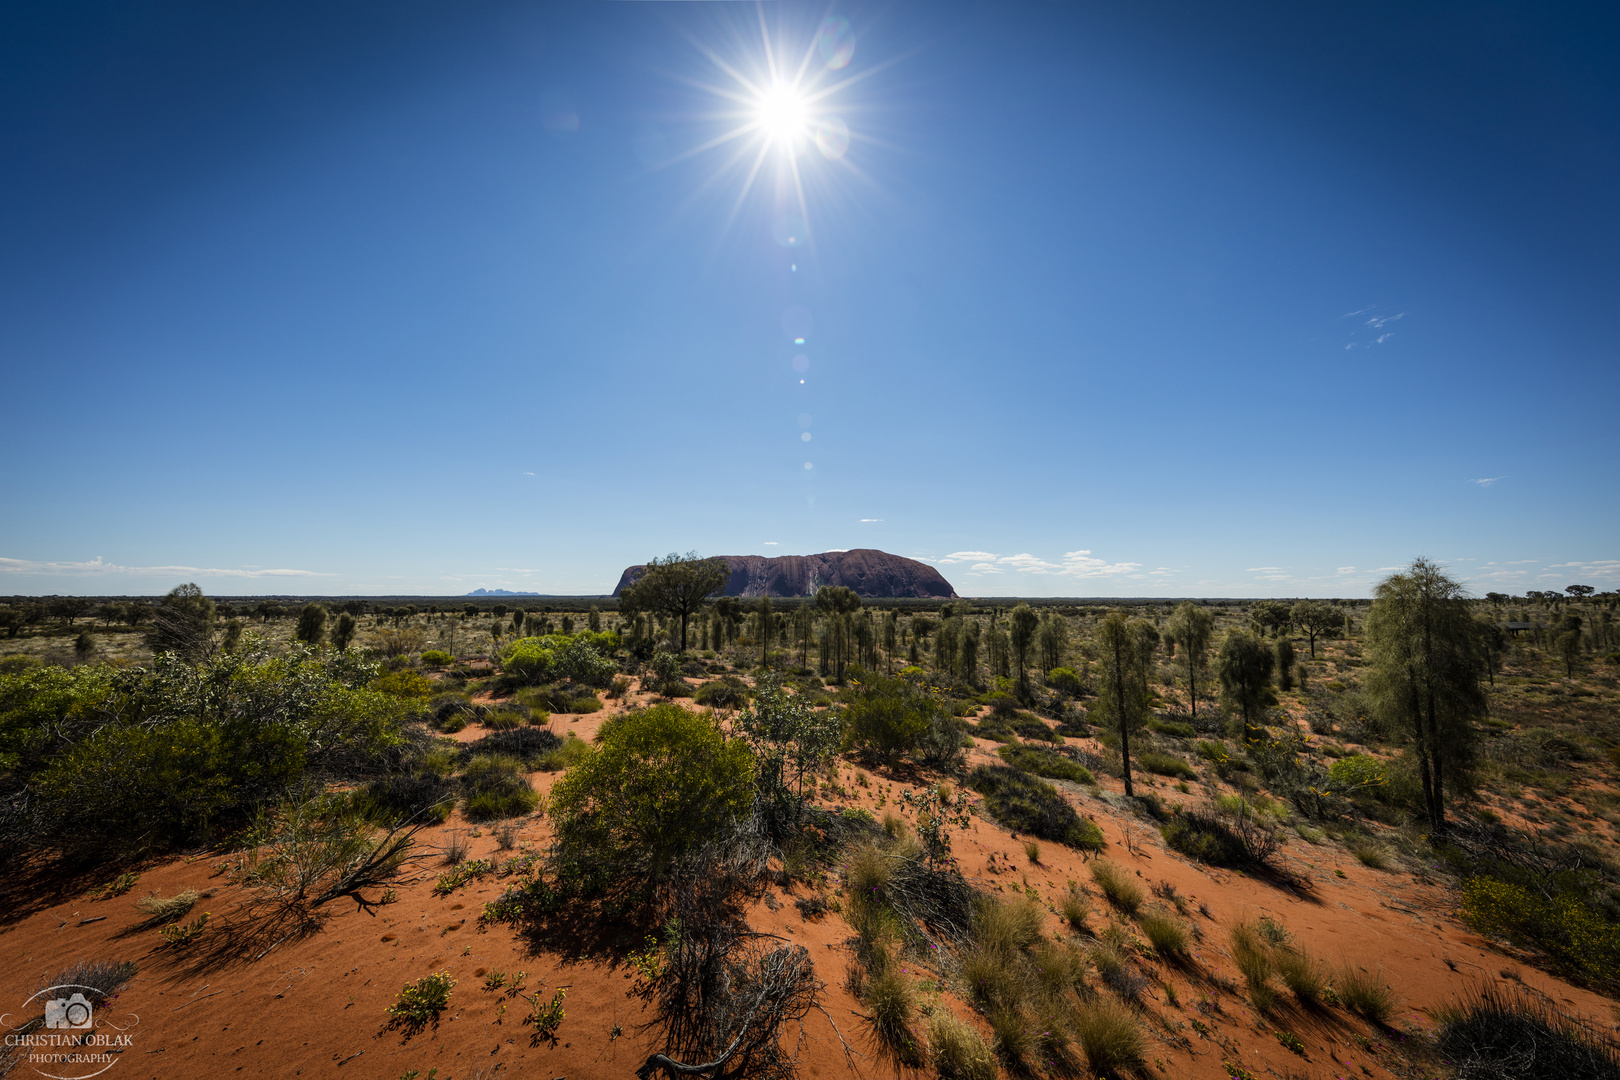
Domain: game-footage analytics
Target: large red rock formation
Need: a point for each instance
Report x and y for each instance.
(869, 572)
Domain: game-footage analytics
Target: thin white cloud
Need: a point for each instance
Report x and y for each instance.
(773, 543)
(528, 474)
(99, 567)
(1262, 569)
(866, 521)
(1485, 481)
(1077, 564)
(1345, 570)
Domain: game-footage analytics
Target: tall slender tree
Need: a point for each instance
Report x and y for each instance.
(1024, 623)
(1244, 666)
(1192, 626)
(1122, 697)
(1424, 674)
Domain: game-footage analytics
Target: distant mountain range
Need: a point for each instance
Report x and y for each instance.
(502, 592)
(871, 573)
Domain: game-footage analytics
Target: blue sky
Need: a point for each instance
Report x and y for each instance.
(1125, 299)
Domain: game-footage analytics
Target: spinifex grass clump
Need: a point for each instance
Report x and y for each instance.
(1252, 954)
(1366, 993)
(1026, 804)
(1496, 1033)
(1122, 890)
(1167, 933)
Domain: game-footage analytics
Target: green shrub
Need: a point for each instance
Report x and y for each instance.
(726, 693)
(1025, 804)
(1042, 762)
(496, 788)
(421, 1002)
(179, 754)
(572, 751)
(408, 685)
(1179, 729)
(437, 658)
(890, 717)
(998, 728)
(1203, 837)
(1569, 928)
(1121, 889)
(662, 781)
(1165, 765)
(1031, 726)
(1065, 681)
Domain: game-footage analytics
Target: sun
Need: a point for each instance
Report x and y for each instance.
(783, 114)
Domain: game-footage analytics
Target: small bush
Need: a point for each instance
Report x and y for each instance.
(1498, 1034)
(497, 788)
(1065, 681)
(1203, 837)
(1365, 993)
(1165, 765)
(572, 751)
(1046, 763)
(959, 1053)
(504, 719)
(1178, 729)
(1023, 803)
(1121, 889)
(726, 693)
(1569, 927)
(421, 1002)
(1110, 1037)
(1370, 854)
(1168, 934)
(437, 658)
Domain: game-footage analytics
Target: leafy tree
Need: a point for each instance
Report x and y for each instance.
(70, 607)
(1023, 624)
(661, 782)
(343, 632)
(1578, 592)
(311, 625)
(12, 619)
(765, 631)
(1053, 640)
(1318, 619)
(1569, 650)
(1244, 666)
(790, 741)
(1424, 653)
(517, 622)
(1285, 664)
(1193, 625)
(967, 653)
(593, 619)
(183, 623)
(1125, 649)
(1270, 616)
(678, 586)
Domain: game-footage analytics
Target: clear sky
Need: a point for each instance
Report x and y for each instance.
(1112, 299)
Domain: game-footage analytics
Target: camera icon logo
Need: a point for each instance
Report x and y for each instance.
(68, 1013)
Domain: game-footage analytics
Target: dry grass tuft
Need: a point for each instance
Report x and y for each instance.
(1074, 907)
(1366, 993)
(959, 1052)
(1254, 959)
(1302, 974)
(167, 908)
(1168, 934)
(1122, 890)
(1110, 1036)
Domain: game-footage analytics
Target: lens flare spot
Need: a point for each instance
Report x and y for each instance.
(832, 138)
(804, 436)
(789, 231)
(807, 465)
(836, 42)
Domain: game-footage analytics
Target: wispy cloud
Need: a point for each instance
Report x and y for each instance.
(100, 567)
(773, 543)
(1485, 481)
(1076, 564)
(866, 521)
